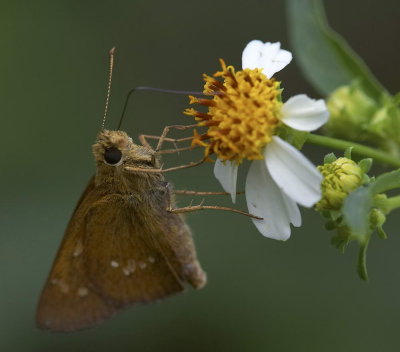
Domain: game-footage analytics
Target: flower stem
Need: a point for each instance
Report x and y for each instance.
(357, 149)
(392, 203)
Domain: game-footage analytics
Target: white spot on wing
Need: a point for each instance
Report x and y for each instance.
(151, 259)
(82, 291)
(64, 288)
(114, 264)
(78, 249)
(129, 268)
(142, 265)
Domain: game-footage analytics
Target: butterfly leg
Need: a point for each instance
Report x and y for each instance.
(143, 139)
(163, 137)
(183, 247)
(197, 193)
(192, 208)
(136, 169)
(166, 131)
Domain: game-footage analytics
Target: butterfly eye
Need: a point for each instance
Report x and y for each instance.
(112, 156)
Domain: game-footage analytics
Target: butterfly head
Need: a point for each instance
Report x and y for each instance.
(114, 149)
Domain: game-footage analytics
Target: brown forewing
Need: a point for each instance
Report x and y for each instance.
(109, 259)
(126, 261)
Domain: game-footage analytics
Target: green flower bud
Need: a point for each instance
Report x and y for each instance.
(376, 218)
(356, 116)
(350, 113)
(341, 177)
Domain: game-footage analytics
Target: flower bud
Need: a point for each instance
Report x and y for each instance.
(341, 177)
(350, 113)
(376, 218)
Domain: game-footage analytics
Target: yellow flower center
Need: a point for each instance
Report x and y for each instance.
(242, 114)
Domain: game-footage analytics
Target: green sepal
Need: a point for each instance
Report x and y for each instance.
(292, 136)
(330, 225)
(365, 180)
(342, 238)
(326, 214)
(330, 158)
(365, 164)
(347, 152)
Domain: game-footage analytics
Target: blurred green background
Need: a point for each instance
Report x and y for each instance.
(262, 295)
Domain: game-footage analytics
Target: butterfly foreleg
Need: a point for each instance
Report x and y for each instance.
(163, 138)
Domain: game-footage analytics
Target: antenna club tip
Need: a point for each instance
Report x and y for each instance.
(112, 51)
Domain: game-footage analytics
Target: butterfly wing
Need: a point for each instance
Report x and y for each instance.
(107, 260)
(126, 259)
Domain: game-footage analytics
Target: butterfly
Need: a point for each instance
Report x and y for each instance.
(122, 246)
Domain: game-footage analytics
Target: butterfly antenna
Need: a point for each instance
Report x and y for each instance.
(111, 53)
(152, 89)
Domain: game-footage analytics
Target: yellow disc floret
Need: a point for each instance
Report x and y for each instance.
(242, 115)
(341, 177)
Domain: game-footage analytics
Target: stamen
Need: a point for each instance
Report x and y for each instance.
(242, 114)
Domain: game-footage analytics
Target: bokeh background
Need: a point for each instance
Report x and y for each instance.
(262, 295)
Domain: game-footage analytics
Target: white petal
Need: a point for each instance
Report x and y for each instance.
(226, 174)
(268, 56)
(298, 178)
(292, 209)
(251, 54)
(266, 200)
(303, 113)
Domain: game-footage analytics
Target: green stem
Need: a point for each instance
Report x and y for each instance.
(392, 203)
(357, 149)
(362, 261)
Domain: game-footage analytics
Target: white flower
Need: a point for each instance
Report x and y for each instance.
(285, 178)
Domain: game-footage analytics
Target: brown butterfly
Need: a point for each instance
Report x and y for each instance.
(122, 246)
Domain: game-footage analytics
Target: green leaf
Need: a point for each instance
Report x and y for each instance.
(357, 206)
(396, 98)
(326, 59)
(386, 182)
(356, 210)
